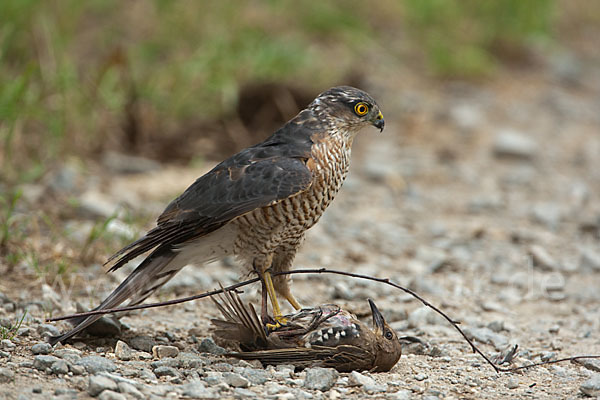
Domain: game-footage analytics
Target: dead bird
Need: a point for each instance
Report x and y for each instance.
(324, 336)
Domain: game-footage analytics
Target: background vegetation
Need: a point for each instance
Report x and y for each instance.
(79, 77)
(171, 80)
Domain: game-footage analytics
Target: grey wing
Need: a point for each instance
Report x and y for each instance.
(252, 179)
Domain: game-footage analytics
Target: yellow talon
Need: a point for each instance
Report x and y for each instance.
(271, 292)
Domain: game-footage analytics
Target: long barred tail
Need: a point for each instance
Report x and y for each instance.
(149, 276)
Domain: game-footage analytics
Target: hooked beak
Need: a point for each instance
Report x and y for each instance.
(378, 321)
(379, 122)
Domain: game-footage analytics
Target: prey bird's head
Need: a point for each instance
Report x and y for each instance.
(389, 348)
(347, 108)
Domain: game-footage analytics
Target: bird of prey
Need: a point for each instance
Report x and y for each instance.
(324, 336)
(255, 205)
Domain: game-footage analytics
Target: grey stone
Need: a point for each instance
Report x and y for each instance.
(486, 335)
(41, 348)
(97, 204)
(512, 383)
(321, 379)
(70, 355)
(213, 377)
(130, 389)
(589, 363)
(197, 390)
(235, 380)
(77, 369)
(166, 371)
(420, 377)
(43, 362)
(122, 351)
(146, 374)
(548, 356)
(110, 395)
(207, 345)
(191, 360)
(142, 343)
(590, 260)
(66, 392)
(98, 383)
(222, 367)
(368, 384)
(357, 379)
(549, 214)
(591, 387)
(400, 395)
(45, 330)
(60, 367)
(7, 344)
(273, 388)
(6, 375)
(105, 327)
(161, 351)
(255, 376)
(514, 144)
(95, 364)
(424, 316)
(342, 291)
(128, 164)
(542, 259)
(244, 393)
(168, 362)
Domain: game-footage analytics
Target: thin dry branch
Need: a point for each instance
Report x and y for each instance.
(324, 271)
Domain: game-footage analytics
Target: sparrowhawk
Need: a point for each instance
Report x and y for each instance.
(255, 205)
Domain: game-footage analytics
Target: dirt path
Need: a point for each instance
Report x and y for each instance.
(484, 200)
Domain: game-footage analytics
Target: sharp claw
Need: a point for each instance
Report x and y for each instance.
(280, 322)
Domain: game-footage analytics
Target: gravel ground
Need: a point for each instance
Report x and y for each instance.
(484, 200)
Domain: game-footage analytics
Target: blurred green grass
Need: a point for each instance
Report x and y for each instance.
(73, 72)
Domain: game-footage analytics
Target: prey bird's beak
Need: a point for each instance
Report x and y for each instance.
(379, 122)
(378, 321)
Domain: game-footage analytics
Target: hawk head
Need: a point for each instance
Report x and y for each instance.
(347, 108)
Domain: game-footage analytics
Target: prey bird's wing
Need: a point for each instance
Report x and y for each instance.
(344, 358)
(241, 323)
(256, 177)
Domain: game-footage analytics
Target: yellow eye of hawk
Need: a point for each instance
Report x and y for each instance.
(361, 109)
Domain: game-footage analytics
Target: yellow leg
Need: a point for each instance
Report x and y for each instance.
(290, 298)
(271, 292)
(276, 310)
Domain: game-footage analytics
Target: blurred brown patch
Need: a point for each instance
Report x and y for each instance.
(261, 109)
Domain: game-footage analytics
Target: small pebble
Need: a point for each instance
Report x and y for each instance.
(122, 351)
(6, 375)
(420, 377)
(321, 379)
(43, 362)
(110, 395)
(235, 380)
(95, 364)
(60, 367)
(512, 383)
(99, 383)
(208, 345)
(591, 387)
(41, 348)
(161, 351)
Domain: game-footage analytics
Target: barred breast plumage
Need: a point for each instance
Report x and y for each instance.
(279, 229)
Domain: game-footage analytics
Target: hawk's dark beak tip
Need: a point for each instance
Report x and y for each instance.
(379, 122)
